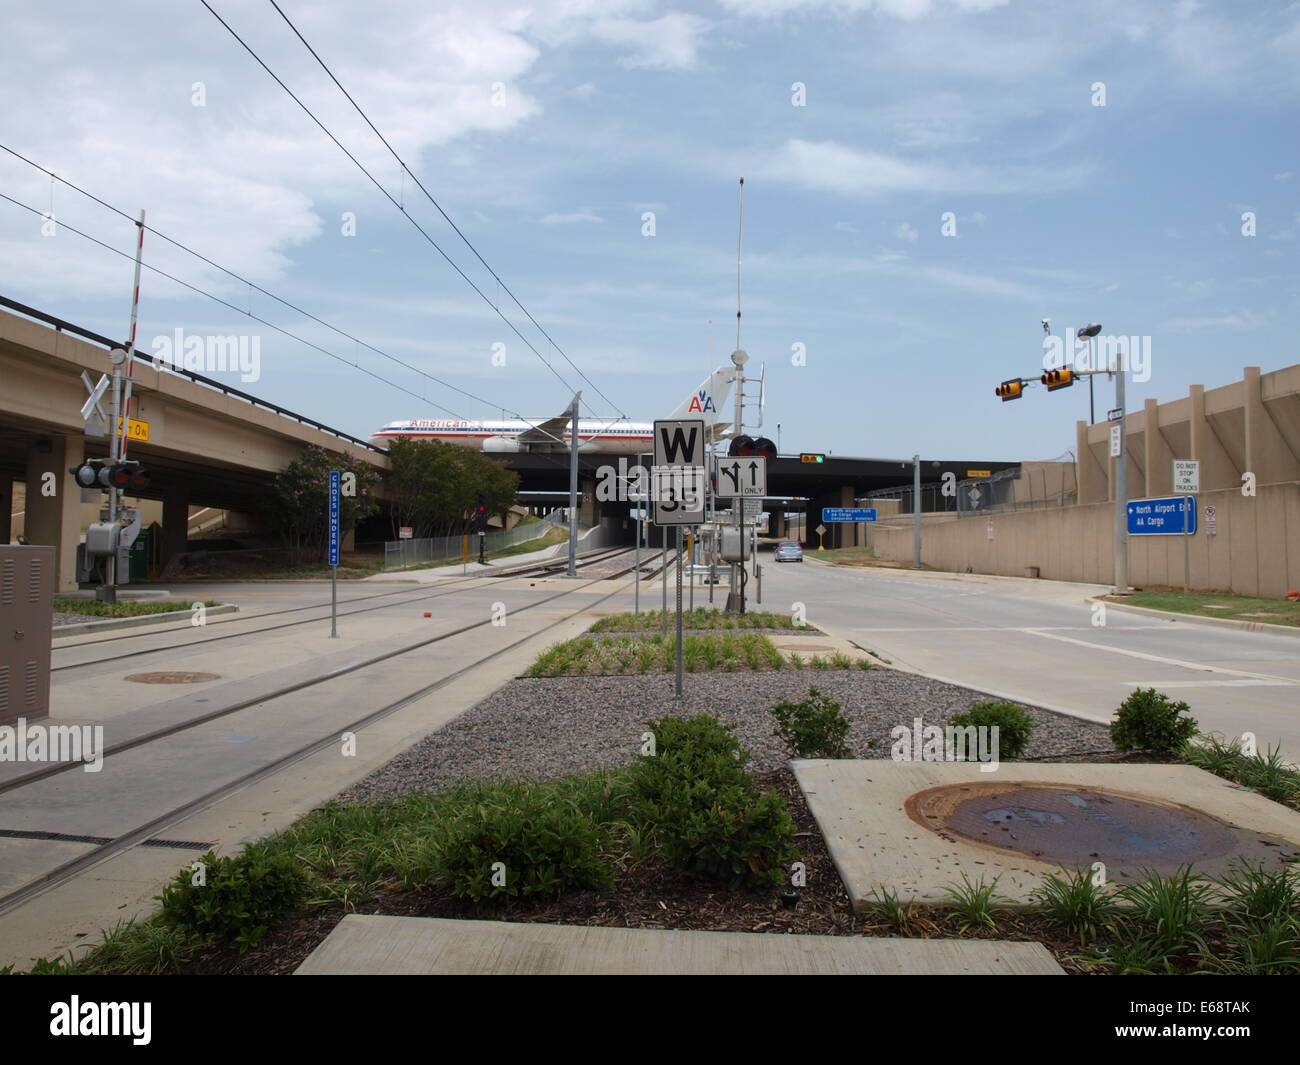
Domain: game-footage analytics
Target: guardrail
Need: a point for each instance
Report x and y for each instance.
(197, 378)
(399, 554)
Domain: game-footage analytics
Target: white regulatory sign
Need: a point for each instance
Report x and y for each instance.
(677, 480)
(1114, 441)
(740, 477)
(1187, 477)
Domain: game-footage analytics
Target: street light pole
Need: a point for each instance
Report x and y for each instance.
(916, 512)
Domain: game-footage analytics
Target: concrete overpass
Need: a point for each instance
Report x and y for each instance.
(837, 482)
(209, 444)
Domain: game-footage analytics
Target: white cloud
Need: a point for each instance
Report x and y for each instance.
(584, 215)
(671, 42)
(827, 166)
(1236, 321)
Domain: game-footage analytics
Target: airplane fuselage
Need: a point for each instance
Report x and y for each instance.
(502, 437)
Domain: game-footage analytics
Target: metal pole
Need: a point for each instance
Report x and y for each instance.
(1092, 365)
(690, 561)
(334, 602)
(637, 580)
(916, 512)
(573, 486)
(1121, 481)
(663, 579)
(1187, 548)
(680, 653)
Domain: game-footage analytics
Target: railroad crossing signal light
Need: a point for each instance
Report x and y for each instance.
(87, 474)
(764, 448)
(741, 445)
(807, 457)
(96, 473)
(1055, 379)
(1012, 389)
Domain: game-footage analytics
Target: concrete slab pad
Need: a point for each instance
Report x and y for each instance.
(376, 945)
(898, 825)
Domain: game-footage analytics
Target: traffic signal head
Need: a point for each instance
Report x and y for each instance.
(1055, 379)
(741, 445)
(1012, 389)
(764, 448)
(480, 507)
(807, 457)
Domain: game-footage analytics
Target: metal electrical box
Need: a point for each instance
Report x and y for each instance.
(26, 602)
(735, 543)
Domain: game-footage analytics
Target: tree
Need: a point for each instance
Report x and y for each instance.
(300, 500)
(434, 486)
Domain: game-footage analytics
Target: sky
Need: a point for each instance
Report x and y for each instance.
(924, 182)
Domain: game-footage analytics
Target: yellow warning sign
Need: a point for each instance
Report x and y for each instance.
(135, 430)
(979, 473)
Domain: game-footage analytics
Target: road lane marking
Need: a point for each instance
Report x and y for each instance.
(1197, 666)
(1247, 683)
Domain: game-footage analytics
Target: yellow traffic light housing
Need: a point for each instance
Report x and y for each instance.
(811, 457)
(1055, 379)
(1012, 389)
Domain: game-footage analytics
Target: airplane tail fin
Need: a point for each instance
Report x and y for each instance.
(707, 401)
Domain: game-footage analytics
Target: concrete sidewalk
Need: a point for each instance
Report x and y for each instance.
(411, 946)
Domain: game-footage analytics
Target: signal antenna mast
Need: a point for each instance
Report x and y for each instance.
(740, 259)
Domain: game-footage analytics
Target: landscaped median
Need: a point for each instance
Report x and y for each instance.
(604, 800)
(1246, 609)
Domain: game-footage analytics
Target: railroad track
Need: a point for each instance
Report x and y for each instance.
(389, 599)
(144, 831)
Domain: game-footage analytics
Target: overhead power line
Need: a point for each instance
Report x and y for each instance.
(258, 288)
(387, 195)
(429, 196)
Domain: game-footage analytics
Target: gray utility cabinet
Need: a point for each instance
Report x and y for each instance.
(26, 618)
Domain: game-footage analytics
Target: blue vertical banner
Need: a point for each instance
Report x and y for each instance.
(334, 518)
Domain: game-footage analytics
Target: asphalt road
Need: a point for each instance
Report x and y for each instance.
(1036, 641)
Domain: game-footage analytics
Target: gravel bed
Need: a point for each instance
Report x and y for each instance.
(60, 618)
(549, 727)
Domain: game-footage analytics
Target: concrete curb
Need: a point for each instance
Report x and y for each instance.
(1197, 619)
(1008, 696)
(85, 628)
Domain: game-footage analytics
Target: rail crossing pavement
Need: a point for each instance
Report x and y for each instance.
(211, 775)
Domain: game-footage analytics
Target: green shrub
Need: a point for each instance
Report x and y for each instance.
(544, 841)
(1149, 720)
(1013, 723)
(695, 796)
(814, 728)
(240, 898)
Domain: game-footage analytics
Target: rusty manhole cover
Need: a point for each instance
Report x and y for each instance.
(172, 678)
(1076, 826)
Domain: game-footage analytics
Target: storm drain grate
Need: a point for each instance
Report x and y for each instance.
(99, 841)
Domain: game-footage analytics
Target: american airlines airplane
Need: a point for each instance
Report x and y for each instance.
(616, 437)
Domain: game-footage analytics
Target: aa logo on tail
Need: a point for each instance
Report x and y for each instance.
(701, 404)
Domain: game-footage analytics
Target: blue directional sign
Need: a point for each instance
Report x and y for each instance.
(848, 513)
(1161, 517)
(334, 518)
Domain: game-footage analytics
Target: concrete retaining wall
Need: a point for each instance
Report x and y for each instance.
(1256, 550)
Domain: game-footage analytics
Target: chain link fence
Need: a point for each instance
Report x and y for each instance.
(1034, 486)
(398, 554)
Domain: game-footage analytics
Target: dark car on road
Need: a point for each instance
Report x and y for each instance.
(789, 551)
